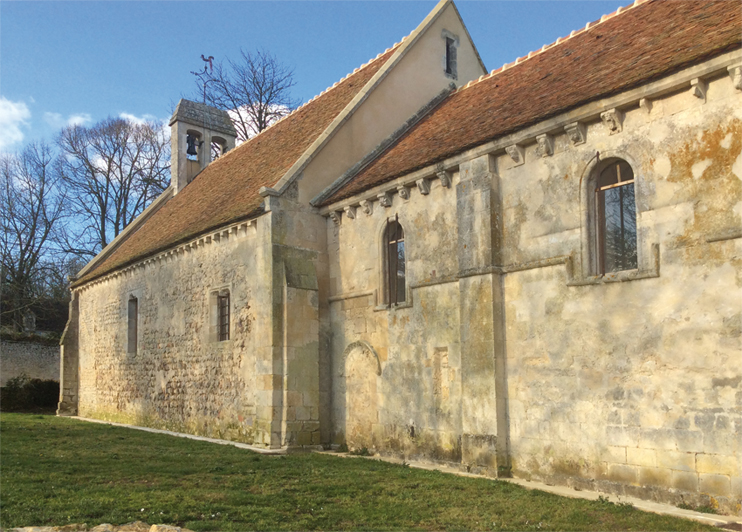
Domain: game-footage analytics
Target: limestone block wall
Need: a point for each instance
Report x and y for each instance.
(37, 361)
(629, 382)
(300, 358)
(179, 376)
(634, 387)
(396, 373)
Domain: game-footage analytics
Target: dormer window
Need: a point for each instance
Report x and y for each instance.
(451, 42)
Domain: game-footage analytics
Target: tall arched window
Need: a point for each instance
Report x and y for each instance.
(615, 217)
(395, 262)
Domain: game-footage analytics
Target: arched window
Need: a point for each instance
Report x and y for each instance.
(615, 217)
(395, 262)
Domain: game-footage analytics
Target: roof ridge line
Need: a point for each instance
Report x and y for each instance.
(560, 40)
(358, 69)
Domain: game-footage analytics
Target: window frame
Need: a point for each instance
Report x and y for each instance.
(223, 316)
(450, 54)
(392, 241)
(599, 219)
(381, 295)
(220, 314)
(132, 324)
(587, 270)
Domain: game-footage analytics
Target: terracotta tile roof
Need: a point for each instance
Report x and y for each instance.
(628, 48)
(227, 190)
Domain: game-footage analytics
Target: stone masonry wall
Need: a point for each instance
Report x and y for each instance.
(37, 361)
(413, 404)
(180, 377)
(630, 387)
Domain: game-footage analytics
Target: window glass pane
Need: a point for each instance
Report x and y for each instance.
(619, 241)
(609, 176)
(400, 273)
(223, 317)
(449, 55)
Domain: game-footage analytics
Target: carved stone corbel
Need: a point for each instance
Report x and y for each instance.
(698, 88)
(367, 207)
(613, 120)
(646, 104)
(516, 153)
(385, 199)
(445, 178)
(576, 133)
(544, 145)
(423, 185)
(335, 216)
(350, 212)
(403, 192)
(735, 72)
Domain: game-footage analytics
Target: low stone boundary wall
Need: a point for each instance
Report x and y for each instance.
(37, 361)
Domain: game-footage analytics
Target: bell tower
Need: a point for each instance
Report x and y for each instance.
(198, 134)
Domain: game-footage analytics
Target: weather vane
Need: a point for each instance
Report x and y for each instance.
(205, 76)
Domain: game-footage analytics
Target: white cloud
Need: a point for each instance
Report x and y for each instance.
(79, 119)
(13, 115)
(56, 120)
(138, 119)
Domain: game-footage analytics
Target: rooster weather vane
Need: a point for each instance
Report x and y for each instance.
(205, 77)
(208, 70)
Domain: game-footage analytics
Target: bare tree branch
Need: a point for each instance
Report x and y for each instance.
(112, 171)
(255, 90)
(32, 204)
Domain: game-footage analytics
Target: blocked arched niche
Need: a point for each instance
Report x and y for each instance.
(362, 347)
(361, 370)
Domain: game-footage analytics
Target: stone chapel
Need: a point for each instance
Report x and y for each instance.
(532, 272)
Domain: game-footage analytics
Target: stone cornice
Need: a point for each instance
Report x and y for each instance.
(607, 110)
(239, 229)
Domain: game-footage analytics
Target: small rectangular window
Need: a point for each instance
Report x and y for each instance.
(132, 327)
(223, 316)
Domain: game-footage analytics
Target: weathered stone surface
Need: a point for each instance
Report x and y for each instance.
(103, 527)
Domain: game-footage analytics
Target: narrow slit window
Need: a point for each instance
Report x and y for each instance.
(450, 57)
(222, 302)
(132, 325)
(616, 218)
(396, 263)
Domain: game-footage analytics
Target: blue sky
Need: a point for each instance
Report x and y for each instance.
(63, 62)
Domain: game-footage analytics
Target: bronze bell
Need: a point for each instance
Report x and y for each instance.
(191, 140)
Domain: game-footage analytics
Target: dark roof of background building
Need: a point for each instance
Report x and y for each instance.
(633, 46)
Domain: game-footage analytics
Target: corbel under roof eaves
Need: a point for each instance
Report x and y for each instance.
(590, 111)
(359, 98)
(126, 232)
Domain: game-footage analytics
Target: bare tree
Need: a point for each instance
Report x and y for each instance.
(32, 205)
(255, 90)
(112, 171)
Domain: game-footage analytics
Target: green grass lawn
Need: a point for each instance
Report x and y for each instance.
(57, 471)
